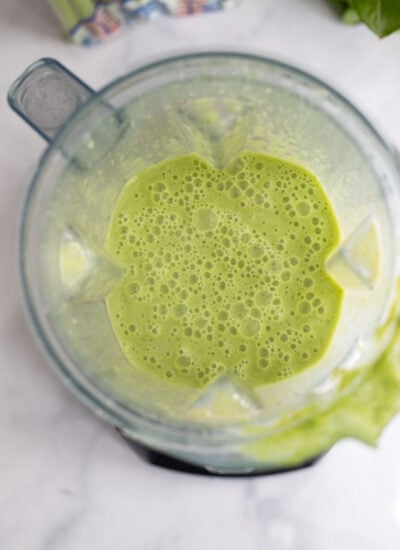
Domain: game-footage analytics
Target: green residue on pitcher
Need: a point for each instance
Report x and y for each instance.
(370, 397)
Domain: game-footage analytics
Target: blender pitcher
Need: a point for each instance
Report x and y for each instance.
(216, 105)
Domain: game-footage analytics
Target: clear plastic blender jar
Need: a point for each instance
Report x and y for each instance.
(99, 141)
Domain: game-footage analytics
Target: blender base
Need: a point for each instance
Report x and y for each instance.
(164, 461)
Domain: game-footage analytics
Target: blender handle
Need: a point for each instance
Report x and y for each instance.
(46, 95)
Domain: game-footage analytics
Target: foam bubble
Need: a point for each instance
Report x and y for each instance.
(304, 308)
(133, 288)
(179, 310)
(250, 327)
(256, 250)
(263, 297)
(234, 192)
(239, 310)
(183, 361)
(303, 208)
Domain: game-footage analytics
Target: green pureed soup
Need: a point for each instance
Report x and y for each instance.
(224, 270)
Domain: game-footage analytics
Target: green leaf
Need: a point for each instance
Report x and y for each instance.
(340, 5)
(381, 16)
(350, 16)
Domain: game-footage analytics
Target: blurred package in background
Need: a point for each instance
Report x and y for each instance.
(89, 21)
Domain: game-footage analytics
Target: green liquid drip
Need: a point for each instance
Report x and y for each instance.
(224, 270)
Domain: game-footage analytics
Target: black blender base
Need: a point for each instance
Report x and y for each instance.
(163, 461)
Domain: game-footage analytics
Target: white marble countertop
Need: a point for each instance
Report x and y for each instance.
(67, 482)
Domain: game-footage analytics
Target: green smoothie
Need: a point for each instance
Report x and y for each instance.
(224, 270)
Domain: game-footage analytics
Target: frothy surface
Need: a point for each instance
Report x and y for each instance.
(224, 270)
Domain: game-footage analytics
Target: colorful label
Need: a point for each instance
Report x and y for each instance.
(90, 21)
